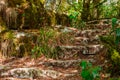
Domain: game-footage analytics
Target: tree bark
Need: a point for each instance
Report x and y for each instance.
(86, 10)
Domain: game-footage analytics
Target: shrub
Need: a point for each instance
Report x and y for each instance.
(44, 45)
(89, 72)
(115, 30)
(111, 42)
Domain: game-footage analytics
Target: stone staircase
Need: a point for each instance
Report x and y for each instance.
(86, 46)
(86, 42)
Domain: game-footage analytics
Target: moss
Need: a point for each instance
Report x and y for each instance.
(8, 35)
(112, 55)
(2, 26)
(115, 57)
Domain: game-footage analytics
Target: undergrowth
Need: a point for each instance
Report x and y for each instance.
(111, 42)
(90, 72)
(48, 42)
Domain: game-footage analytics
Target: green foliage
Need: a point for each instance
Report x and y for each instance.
(109, 11)
(114, 20)
(48, 42)
(114, 78)
(116, 31)
(74, 13)
(35, 14)
(45, 44)
(112, 54)
(89, 72)
(8, 35)
(75, 21)
(115, 57)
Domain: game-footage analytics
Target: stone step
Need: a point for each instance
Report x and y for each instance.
(73, 52)
(34, 72)
(90, 32)
(98, 26)
(84, 40)
(65, 63)
(87, 49)
(50, 71)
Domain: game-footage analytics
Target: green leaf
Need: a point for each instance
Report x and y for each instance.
(114, 20)
(117, 31)
(89, 64)
(83, 64)
(95, 71)
(71, 16)
(88, 71)
(85, 74)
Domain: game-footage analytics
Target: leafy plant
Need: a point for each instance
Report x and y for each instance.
(74, 13)
(115, 30)
(111, 42)
(114, 20)
(109, 11)
(115, 57)
(89, 72)
(115, 79)
(45, 44)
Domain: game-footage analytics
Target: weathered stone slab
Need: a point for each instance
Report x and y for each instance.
(17, 43)
(87, 49)
(31, 73)
(63, 63)
(85, 40)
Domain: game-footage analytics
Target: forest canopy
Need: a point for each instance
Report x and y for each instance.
(52, 12)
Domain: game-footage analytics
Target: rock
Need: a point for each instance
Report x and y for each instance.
(24, 72)
(85, 40)
(59, 26)
(19, 34)
(15, 43)
(69, 30)
(88, 33)
(64, 64)
(94, 49)
(2, 67)
(50, 73)
(70, 51)
(31, 73)
(66, 30)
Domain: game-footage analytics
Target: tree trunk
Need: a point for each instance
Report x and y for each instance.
(86, 10)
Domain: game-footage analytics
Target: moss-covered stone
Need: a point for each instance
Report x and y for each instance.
(17, 44)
